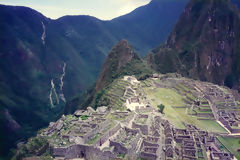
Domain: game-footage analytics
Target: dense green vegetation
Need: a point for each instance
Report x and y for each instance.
(121, 156)
(84, 117)
(34, 146)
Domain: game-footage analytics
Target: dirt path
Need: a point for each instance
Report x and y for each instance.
(220, 123)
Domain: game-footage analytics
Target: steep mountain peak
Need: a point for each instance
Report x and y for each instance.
(204, 43)
(123, 50)
(121, 54)
(123, 42)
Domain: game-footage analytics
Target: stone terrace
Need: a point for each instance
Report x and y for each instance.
(225, 107)
(143, 132)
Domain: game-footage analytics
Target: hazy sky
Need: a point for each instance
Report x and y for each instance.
(103, 9)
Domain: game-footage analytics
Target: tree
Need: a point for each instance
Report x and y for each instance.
(161, 108)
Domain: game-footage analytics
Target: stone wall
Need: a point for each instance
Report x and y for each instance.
(205, 114)
(143, 116)
(234, 130)
(134, 131)
(144, 110)
(42, 149)
(118, 147)
(146, 143)
(58, 152)
(148, 156)
(121, 113)
(74, 151)
(143, 128)
(96, 154)
(114, 130)
(93, 132)
(134, 145)
(106, 136)
(82, 151)
(128, 119)
(226, 124)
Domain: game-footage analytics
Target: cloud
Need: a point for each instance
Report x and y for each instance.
(130, 6)
(126, 6)
(103, 9)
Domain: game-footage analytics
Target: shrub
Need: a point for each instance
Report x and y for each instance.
(84, 117)
(161, 108)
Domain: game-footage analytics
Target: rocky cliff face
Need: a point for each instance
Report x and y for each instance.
(204, 44)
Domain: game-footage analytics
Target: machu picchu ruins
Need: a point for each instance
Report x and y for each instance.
(198, 116)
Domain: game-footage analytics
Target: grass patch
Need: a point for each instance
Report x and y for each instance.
(204, 111)
(141, 120)
(32, 147)
(200, 154)
(117, 117)
(94, 139)
(111, 125)
(113, 93)
(179, 116)
(120, 155)
(232, 144)
(167, 97)
(211, 125)
(70, 118)
(84, 117)
(146, 83)
(190, 96)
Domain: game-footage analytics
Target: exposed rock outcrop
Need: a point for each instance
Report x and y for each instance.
(204, 44)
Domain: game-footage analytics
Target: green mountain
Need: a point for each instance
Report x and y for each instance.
(140, 115)
(45, 62)
(120, 55)
(121, 61)
(204, 44)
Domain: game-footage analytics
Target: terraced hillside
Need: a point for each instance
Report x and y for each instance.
(199, 121)
(115, 94)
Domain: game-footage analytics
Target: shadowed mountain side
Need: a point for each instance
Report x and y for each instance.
(204, 44)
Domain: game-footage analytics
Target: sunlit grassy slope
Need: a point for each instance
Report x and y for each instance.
(178, 116)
